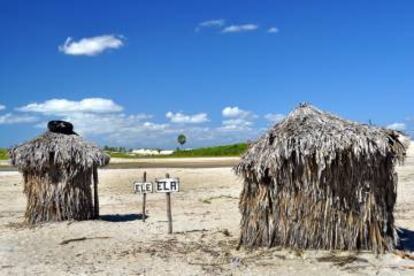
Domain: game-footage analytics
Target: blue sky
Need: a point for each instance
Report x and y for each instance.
(137, 73)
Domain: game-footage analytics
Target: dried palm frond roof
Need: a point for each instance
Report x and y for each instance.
(308, 131)
(57, 150)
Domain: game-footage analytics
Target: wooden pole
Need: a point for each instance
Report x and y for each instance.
(169, 216)
(95, 192)
(144, 197)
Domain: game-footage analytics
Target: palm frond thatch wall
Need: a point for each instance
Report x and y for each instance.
(316, 181)
(57, 170)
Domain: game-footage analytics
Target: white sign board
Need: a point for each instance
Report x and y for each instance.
(143, 187)
(166, 185)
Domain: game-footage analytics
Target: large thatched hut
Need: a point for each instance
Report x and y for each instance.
(58, 169)
(316, 181)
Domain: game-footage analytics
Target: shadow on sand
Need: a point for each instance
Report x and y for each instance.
(121, 218)
(406, 239)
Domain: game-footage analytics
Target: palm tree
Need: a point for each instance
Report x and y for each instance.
(181, 139)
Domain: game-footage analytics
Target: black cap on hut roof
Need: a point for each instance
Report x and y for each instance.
(61, 127)
(317, 181)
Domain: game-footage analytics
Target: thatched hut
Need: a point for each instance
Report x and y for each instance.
(316, 181)
(58, 169)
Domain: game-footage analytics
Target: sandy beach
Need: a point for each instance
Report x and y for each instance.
(205, 225)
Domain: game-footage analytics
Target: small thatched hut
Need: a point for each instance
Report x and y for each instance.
(58, 169)
(316, 181)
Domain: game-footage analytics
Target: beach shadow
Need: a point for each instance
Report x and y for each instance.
(121, 218)
(406, 239)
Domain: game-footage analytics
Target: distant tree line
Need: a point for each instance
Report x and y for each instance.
(117, 149)
(181, 140)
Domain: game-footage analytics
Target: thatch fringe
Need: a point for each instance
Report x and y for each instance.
(321, 182)
(58, 199)
(58, 150)
(58, 173)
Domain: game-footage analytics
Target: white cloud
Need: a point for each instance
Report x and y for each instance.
(238, 124)
(2, 107)
(273, 30)
(397, 126)
(104, 121)
(237, 119)
(212, 23)
(154, 126)
(274, 117)
(91, 46)
(11, 118)
(215, 23)
(240, 28)
(190, 119)
(100, 119)
(104, 124)
(235, 111)
(64, 106)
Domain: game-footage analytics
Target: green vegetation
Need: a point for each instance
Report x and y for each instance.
(3, 154)
(116, 149)
(218, 151)
(123, 154)
(227, 150)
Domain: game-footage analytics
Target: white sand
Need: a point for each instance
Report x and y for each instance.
(4, 163)
(206, 223)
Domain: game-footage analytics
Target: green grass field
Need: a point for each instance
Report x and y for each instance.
(3, 154)
(217, 151)
(227, 150)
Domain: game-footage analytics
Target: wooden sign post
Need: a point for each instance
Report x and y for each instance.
(144, 197)
(169, 215)
(143, 188)
(165, 185)
(168, 185)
